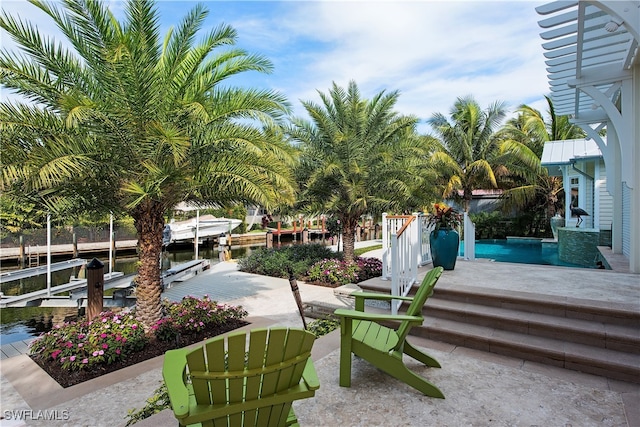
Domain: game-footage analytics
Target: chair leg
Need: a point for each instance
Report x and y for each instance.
(420, 356)
(405, 375)
(345, 352)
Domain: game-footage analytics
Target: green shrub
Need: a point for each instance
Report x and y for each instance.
(320, 327)
(82, 345)
(276, 262)
(155, 404)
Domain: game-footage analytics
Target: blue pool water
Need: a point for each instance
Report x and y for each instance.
(525, 251)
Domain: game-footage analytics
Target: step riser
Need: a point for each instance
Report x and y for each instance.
(600, 336)
(570, 311)
(533, 354)
(593, 338)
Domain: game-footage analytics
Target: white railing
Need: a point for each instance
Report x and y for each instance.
(469, 238)
(401, 254)
(424, 230)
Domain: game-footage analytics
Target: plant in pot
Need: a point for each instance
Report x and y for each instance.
(444, 239)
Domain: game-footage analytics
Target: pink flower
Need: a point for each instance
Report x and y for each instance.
(134, 326)
(105, 346)
(85, 360)
(95, 353)
(104, 319)
(56, 353)
(103, 335)
(101, 352)
(117, 351)
(69, 344)
(80, 345)
(72, 358)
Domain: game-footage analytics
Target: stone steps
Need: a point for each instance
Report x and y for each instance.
(587, 336)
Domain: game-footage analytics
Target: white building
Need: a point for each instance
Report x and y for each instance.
(591, 50)
(581, 165)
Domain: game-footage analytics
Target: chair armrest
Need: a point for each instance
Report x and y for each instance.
(376, 317)
(175, 362)
(310, 376)
(380, 296)
(361, 297)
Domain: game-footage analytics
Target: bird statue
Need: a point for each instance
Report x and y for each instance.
(579, 212)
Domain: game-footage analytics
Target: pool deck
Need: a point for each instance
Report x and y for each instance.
(481, 389)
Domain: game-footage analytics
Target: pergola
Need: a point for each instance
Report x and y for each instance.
(591, 51)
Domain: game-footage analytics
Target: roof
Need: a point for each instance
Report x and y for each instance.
(568, 151)
(588, 44)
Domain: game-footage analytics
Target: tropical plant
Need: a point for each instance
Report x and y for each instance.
(121, 119)
(534, 190)
(444, 216)
(358, 156)
(469, 156)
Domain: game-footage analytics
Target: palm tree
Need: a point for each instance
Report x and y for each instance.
(469, 157)
(358, 157)
(535, 190)
(127, 121)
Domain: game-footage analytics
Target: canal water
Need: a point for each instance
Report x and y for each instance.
(21, 323)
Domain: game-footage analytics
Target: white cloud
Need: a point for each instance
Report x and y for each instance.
(432, 51)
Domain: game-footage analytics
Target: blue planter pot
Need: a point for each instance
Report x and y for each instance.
(444, 248)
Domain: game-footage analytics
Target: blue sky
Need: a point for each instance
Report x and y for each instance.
(430, 51)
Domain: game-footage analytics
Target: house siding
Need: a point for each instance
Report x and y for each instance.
(626, 220)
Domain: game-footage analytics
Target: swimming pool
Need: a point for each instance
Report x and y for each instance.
(524, 251)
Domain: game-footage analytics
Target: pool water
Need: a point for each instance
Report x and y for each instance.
(524, 251)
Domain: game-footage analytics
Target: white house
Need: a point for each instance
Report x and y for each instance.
(581, 165)
(592, 58)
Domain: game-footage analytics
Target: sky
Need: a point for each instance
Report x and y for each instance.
(432, 52)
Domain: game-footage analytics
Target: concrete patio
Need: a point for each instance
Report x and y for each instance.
(481, 388)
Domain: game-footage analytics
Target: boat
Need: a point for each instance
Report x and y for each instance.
(208, 226)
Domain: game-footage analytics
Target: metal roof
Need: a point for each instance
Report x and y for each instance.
(568, 151)
(588, 43)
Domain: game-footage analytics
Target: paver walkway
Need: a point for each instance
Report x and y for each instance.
(481, 389)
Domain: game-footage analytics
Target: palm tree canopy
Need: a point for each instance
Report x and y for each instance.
(119, 118)
(358, 156)
(468, 151)
(124, 116)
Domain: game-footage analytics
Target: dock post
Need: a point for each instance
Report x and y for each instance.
(74, 239)
(269, 238)
(222, 245)
(95, 288)
(21, 256)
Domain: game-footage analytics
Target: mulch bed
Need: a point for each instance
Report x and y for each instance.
(153, 349)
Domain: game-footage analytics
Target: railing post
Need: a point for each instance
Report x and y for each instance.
(469, 238)
(386, 256)
(395, 272)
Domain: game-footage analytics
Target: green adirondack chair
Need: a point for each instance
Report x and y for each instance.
(242, 380)
(363, 335)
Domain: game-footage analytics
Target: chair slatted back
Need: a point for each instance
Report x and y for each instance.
(237, 370)
(415, 308)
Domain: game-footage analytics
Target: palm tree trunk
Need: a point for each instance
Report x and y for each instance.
(149, 222)
(349, 239)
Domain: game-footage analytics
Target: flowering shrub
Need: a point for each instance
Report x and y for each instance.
(368, 268)
(444, 216)
(192, 315)
(334, 272)
(82, 345)
(337, 272)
